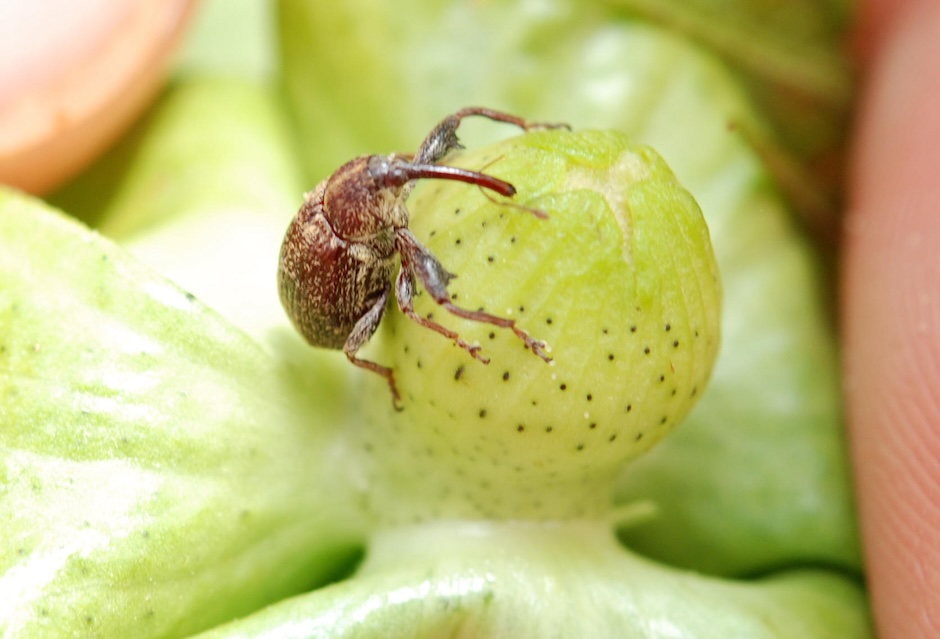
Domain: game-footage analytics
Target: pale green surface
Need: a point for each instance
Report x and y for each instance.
(160, 471)
(792, 56)
(202, 191)
(231, 38)
(531, 581)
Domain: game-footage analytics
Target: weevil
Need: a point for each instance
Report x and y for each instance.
(338, 256)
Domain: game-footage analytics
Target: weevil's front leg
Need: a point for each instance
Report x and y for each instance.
(405, 291)
(362, 331)
(434, 277)
(443, 138)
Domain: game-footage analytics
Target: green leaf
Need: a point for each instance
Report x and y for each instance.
(160, 472)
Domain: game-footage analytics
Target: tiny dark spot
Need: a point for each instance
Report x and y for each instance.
(492, 335)
(89, 620)
(696, 333)
(457, 241)
(549, 429)
(432, 233)
(453, 296)
(610, 357)
(482, 413)
(419, 363)
(190, 297)
(592, 425)
(638, 437)
(459, 372)
(668, 327)
(629, 407)
(430, 315)
(548, 320)
(612, 437)
(483, 224)
(694, 391)
(563, 387)
(490, 259)
(505, 376)
(604, 331)
(662, 378)
(663, 420)
(457, 211)
(675, 344)
(522, 309)
(512, 240)
(646, 351)
(580, 447)
(673, 393)
(589, 397)
(520, 428)
(633, 328)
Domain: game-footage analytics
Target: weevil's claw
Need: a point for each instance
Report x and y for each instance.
(474, 350)
(396, 396)
(539, 347)
(540, 350)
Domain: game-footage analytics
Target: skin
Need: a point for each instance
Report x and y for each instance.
(79, 75)
(890, 301)
(891, 313)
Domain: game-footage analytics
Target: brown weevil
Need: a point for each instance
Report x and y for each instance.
(338, 256)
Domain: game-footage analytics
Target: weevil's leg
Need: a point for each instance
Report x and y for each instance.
(361, 333)
(405, 291)
(434, 278)
(443, 138)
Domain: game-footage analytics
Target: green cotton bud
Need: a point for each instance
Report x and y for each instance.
(619, 281)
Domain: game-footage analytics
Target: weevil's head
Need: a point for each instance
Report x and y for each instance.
(364, 199)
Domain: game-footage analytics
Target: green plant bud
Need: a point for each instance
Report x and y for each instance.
(620, 281)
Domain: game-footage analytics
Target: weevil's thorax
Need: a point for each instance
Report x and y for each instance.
(363, 202)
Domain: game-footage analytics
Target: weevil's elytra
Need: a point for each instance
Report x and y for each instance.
(338, 257)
